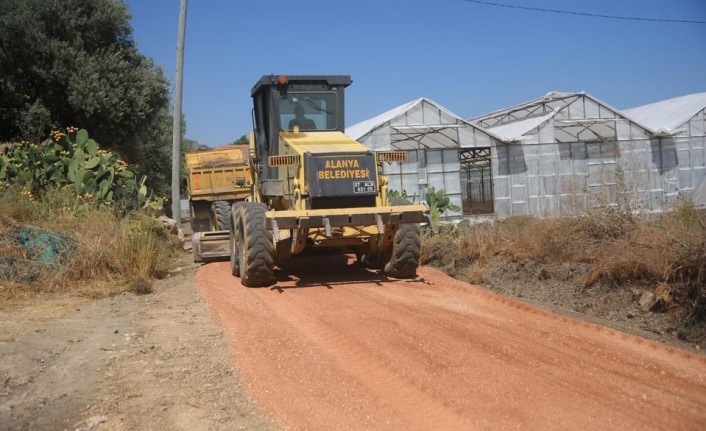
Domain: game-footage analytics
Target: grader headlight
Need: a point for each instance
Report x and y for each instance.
(390, 156)
(279, 161)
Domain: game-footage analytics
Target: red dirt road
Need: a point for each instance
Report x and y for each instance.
(335, 346)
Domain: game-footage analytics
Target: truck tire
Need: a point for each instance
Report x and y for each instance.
(233, 238)
(406, 247)
(220, 215)
(199, 216)
(255, 246)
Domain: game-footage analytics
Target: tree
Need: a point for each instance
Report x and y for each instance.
(243, 140)
(75, 63)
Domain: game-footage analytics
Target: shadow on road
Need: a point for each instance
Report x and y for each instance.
(327, 270)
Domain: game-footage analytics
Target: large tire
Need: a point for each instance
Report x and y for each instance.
(405, 252)
(199, 216)
(371, 261)
(220, 215)
(406, 246)
(233, 240)
(255, 247)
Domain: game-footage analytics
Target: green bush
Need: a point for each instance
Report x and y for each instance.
(75, 161)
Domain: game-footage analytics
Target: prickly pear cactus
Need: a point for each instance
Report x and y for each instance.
(72, 159)
(439, 203)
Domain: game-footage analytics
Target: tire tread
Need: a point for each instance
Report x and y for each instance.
(258, 269)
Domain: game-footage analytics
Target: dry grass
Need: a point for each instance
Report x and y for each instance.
(666, 253)
(515, 239)
(97, 253)
(476, 273)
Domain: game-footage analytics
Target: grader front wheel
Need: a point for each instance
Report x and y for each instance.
(406, 246)
(255, 246)
(404, 259)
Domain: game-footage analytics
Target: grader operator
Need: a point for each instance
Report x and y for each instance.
(314, 187)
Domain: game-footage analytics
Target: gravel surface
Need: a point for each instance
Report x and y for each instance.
(334, 346)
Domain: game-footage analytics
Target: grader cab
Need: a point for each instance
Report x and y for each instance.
(314, 187)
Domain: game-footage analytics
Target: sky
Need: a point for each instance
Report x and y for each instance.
(468, 57)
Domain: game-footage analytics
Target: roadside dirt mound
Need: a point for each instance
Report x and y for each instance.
(632, 309)
(561, 288)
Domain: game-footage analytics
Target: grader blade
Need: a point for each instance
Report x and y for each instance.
(211, 246)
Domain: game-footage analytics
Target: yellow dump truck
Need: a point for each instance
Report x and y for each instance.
(215, 180)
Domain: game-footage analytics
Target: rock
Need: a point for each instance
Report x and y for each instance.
(564, 271)
(168, 224)
(647, 300)
(543, 274)
(187, 245)
(90, 423)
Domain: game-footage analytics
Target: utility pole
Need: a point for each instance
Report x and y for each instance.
(176, 129)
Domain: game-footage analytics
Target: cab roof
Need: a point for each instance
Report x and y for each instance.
(326, 80)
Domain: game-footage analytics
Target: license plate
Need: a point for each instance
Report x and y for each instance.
(364, 187)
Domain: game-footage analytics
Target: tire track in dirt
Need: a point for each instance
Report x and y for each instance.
(276, 354)
(575, 353)
(358, 360)
(334, 346)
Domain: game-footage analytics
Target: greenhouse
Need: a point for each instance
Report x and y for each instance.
(559, 154)
(680, 127)
(444, 152)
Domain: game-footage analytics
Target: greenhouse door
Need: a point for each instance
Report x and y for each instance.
(476, 181)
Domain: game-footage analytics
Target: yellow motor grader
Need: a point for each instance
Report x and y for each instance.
(313, 187)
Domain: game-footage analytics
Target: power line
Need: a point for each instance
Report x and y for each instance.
(593, 15)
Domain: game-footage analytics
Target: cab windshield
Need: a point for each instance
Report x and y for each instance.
(309, 111)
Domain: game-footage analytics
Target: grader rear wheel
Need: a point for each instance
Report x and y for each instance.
(255, 247)
(371, 261)
(233, 238)
(220, 215)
